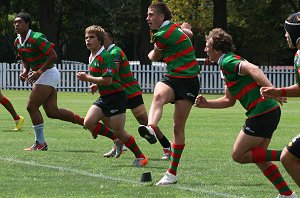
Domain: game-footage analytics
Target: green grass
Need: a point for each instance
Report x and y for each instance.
(74, 167)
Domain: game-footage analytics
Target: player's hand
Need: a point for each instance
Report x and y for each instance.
(23, 76)
(93, 88)
(186, 25)
(81, 76)
(32, 77)
(270, 92)
(281, 100)
(200, 101)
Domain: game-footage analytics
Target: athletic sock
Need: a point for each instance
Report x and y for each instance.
(164, 142)
(176, 152)
(103, 130)
(39, 133)
(7, 104)
(78, 119)
(275, 177)
(131, 144)
(260, 155)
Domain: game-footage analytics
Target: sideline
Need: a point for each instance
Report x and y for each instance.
(101, 176)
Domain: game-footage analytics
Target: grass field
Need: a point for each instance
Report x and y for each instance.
(74, 167)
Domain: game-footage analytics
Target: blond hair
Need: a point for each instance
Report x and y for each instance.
(99, 31)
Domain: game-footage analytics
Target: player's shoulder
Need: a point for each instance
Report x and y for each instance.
(37, 35)
(231, 58)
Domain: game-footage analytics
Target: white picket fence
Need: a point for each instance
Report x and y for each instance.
(147, 76)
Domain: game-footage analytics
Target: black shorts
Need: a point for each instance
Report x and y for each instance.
(135, 102)
(112, 104)
(263, 125)
(294, 146)
(184, 88)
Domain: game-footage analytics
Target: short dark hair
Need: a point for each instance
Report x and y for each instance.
(292, 26)
(163, 9)
(110, 33)
(221, 40)
(25, 16)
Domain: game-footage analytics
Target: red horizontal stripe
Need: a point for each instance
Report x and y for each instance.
(185, 66)
(254, 103)
(126, 75)
(100, 59)
(50, 48)
(134, 95)
(178, 54)
(35, 68)
(182, 38)
(246, 89)
(29, 60)
(172, 163)
(160, 45)
(96, 70)
(107, 92)
(42, 45)
(178, 146)
(181, 76)
(130, 84)
(31, 40)
(230, 84)
(170, 31)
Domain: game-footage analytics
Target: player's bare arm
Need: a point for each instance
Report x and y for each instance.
(223, 102)
(25, 71)
(252, 70)
(187, 29)
(102, 81)
(33, 76)
(271, 92)
(155, 54)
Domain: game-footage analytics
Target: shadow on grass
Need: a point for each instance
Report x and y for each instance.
(74, 151)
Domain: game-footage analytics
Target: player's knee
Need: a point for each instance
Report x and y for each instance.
(31, 108)
(237, 157)
(51, 115)
(88, 124)
(283, 157)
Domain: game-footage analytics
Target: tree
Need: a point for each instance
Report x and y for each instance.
(143, 45)
(220, 14)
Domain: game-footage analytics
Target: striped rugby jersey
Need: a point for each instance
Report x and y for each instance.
(129, 83)
(244, 88)
(103, 65)
(34, 49)
(178, 51)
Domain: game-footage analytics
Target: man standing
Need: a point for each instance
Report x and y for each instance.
(290, 156)
(37, 54)
(133, 91)
(113, 100)
(243, 82)
(179, 86)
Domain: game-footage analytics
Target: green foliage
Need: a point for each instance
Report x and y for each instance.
(74, 167)
(256, 26)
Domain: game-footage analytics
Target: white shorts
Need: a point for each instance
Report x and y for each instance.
(50, 77)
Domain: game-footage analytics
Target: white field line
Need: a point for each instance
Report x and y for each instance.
(101, 176)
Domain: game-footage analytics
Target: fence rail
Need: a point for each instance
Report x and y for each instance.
(147, 76)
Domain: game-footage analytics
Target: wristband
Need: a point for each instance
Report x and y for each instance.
(283, 92)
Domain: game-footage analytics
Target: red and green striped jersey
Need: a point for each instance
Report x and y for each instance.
(178, 51)
(103, 65)
(297, 67)
(34, 49)
(243, 87)
(129, 83)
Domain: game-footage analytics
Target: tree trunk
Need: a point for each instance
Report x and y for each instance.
(47, 20)
(220, 14)
(143, 44)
